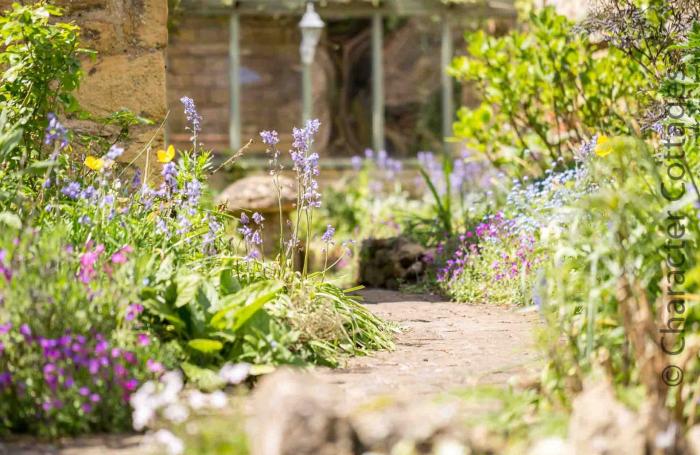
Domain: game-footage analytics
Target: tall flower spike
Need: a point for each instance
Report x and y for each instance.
(192, 115)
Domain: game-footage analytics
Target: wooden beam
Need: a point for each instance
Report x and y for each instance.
(378, 82)
(234, 55)
(446, 54)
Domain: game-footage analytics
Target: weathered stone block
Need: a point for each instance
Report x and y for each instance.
(121, 81)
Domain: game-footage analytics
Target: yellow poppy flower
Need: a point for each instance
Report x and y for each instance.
(166, 156)
(603, 147)
(94, 163)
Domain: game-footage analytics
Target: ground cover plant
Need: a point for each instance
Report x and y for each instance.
(111, 275)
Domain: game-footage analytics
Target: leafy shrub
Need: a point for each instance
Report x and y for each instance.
(545, 90)
(41, 65)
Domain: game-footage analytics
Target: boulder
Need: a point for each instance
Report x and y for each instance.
(601, 425)
(693, 440)
(294, 413)
(387, 263)
(257, 193)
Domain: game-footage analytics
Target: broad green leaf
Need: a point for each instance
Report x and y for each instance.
(187, 287)
(229, 283)
(236, 309)
(205, 346)
(165, 270)
(163, 311)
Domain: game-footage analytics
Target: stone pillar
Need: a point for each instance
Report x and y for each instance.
(130, 37)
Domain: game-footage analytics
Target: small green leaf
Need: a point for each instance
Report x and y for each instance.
(203, 378)
(258, 370)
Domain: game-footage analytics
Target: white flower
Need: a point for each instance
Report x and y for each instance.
(173, 386)
(147, 401)
(234, 374)
(144, 405)
(173, 445)
(176, 413)
(218, 399)
(197, 400)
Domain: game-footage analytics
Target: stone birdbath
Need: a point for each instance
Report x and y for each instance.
(257, 193)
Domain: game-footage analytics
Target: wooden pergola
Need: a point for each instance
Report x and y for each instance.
(449, 11)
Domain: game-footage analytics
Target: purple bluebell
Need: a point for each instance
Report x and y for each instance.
(169, 174)
(72, 190)
(304, 137)
(88, 193)
(55, 132)
(270, 138)
(192, 115)
(114, 152)
(328, 235)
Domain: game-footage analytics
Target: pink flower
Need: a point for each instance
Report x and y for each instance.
(143, 339)
(132, 311)
(87, 264)
(154, 367)
(120, 256)
(130, 385)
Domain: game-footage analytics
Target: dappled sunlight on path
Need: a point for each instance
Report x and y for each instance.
(444, 346)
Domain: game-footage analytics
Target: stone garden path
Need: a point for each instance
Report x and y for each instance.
(442, 347)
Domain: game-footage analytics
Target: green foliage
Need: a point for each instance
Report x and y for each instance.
(68, 355)
(230, 311)
(545, 90)
(41, 67)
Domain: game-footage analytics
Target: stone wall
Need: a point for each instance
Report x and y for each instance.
(130, 37)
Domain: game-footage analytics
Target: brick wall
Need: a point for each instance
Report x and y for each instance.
(198, 67)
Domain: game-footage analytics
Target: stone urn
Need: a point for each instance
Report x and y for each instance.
(258, 193)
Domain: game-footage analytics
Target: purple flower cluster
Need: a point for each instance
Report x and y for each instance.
(494, 229)
(465, 173)
(71, 190)
(306, 164)
(381, 161)
(586, 149)
(327, 236)
(192, 115)
(55, 133)
(114, 153)
(209, 238)
(169, 174)
(270, 138)
(252, 234)
(75, 370)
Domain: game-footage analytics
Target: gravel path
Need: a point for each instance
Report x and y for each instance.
(443, 346)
